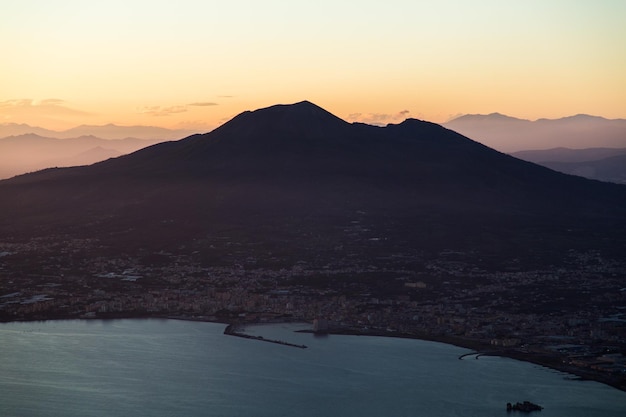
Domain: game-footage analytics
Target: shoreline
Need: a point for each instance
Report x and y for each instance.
(477, 347)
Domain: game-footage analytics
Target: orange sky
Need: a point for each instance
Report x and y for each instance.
(194, 64)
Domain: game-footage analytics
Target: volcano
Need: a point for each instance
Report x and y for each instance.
(296, 176)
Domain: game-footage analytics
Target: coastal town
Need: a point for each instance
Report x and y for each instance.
(571, 317)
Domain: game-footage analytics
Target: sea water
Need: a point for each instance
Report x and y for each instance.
(182, 368)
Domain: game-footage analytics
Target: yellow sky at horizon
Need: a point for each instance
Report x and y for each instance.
(194, 64)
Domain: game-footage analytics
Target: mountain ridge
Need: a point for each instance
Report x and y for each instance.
(510, 134)
(502, 116)
(30, 152)
(563, 154)
(289, 171)
(108, 131)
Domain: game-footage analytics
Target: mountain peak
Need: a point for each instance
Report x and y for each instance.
(491, 117)
(303, 103)
(303, 112)
(302, 119)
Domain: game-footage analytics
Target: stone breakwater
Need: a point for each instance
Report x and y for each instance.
(233, 330)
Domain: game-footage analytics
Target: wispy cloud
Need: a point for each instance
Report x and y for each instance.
(379, 118)
(453, 116)
(203, 104)
(161, 111)
(195, 125)
(49, 106)
(52, 113)
(15, 103)
(51, 102)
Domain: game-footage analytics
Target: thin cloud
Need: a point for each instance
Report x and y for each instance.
(50, 107)
(161, 111)
(51, 102)
(203, 104)
(379, 119)
(24, 102)
(200, 126)
(453, 116)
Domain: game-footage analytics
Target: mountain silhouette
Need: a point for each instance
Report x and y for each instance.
(296, 176)
(606, 169)
(568, 155)
(509, 134)
(109, 131)
(31, 152)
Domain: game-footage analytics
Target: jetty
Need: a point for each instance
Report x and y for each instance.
(231, 330)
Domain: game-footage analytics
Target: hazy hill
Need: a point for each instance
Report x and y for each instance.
(18, 129)
(88, 157)
(31, 152)
(296, 179)
(611, 169)
(509, 134)
(568, 155)
(605, 164)
(109, 131)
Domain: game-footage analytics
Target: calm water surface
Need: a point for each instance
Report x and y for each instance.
(178, 368)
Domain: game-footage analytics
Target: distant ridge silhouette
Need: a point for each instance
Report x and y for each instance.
(109, 131)
(510, 134)
(605, 164)
(31, 152)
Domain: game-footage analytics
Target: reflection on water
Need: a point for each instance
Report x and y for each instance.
(175, 368)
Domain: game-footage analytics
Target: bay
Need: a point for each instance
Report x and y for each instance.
(183, 368)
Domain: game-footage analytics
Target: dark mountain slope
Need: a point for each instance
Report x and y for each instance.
(296, 174)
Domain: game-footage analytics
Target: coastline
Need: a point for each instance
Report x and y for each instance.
(478, 347)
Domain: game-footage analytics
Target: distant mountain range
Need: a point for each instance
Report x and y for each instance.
(109, 131)
(292, 181)
(604, 164)
(31, 152)
(25, 148)
(509, 134)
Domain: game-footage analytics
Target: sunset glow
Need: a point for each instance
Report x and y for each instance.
(194, 64)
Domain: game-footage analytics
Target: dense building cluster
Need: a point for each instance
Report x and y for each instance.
(571, 317)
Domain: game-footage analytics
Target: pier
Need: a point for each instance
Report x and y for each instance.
(231, 330)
